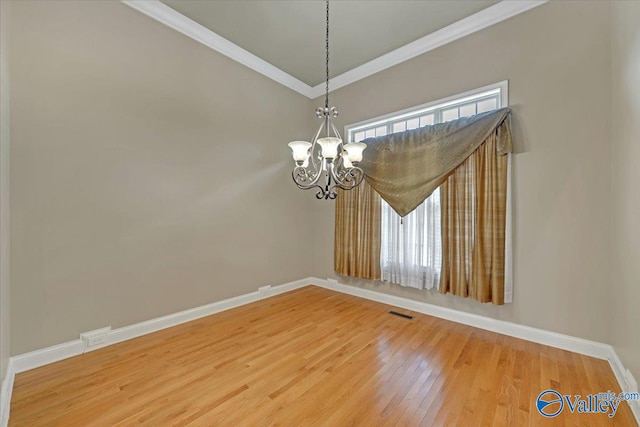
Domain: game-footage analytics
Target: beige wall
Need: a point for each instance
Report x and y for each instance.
(557, 60)
(626, 176)
(125, 134)
(149, 173)
(5, 291)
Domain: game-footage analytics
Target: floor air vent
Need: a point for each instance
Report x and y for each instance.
(406, 316)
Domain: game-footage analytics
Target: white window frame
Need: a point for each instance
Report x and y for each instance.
(489, 91)
(434, 106)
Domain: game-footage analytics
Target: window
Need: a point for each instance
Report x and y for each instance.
(463, 105)
(411, 249)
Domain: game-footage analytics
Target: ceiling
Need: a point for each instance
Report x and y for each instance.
(290, 34)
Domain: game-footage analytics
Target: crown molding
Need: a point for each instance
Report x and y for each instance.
(476, 22)
(173, 19)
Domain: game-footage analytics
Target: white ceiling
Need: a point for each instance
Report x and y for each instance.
(290, 34)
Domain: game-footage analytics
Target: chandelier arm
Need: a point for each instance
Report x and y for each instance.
(335, 130)
(314, 142)
(357, 174)
(353, 177)
(320, 194)
(348, 178)
(307, 187)
(300, 175)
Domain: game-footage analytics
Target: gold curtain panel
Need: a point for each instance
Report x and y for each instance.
(357, 233)
(405, 168)
(473, 202)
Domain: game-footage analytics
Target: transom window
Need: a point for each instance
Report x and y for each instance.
(463, 105)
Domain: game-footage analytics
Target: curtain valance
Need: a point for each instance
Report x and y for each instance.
(405, 168)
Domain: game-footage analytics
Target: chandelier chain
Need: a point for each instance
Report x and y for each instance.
(326, 93)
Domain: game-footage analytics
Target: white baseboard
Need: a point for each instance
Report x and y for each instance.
(627, 382)
(34, 359)
(37, 358)
(143, 328)
(5, 395)
(553, 339)
(45, 356)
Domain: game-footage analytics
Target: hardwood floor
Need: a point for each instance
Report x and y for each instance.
(312, 357)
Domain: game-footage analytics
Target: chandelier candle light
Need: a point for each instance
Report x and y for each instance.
(328, 156)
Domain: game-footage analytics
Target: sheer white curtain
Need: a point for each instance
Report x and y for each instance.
(411, 248)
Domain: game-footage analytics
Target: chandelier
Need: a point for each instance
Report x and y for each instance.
(327, 157)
